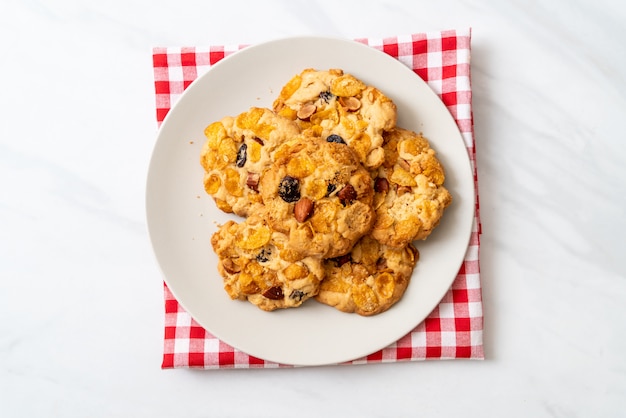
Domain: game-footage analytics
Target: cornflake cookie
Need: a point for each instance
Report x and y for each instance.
(319, 194)
(409, 194)
(236, 152)
(338, 105)
(258, 267)
(370, 279)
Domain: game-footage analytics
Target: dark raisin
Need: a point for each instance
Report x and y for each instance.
(330, 188)
(341, 260)
(241, 155)
(264, 255)
(335, 138)
(297, 295)
(274, 293)
(258, 140)
(326, 96)
(381, 263)
(289, 189)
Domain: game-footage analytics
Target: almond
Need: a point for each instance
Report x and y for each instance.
(381, 185)
(306, 111)
(303, 209)
(274, 293)
(347, 194)
(230, 266)
(253, 181)
(403, 189)
(350, 103)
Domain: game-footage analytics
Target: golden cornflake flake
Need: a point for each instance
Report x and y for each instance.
(223, 206)
(364, 297)
(232, 182)
(402, 177)
(254, 151)
(228, 149)
(384, 285)
(296, 271)
(300, 167)
(212, 183)
(214, 133)
(346, 86)
(253, 237)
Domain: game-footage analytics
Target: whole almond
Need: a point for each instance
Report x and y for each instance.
(347, 194)
(381, 185)
(303, 209)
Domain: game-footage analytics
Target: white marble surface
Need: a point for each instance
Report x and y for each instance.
(80, 293)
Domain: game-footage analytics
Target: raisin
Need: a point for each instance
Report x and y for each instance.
(241, 155)
(326, 96)
(289, 189)
(381, 263)
(335, 138)
(341, 260)
(274, 293)
(264, 255)
(297, 295)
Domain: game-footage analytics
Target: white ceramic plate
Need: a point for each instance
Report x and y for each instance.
(182, 217)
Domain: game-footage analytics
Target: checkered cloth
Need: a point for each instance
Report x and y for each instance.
(454, 329)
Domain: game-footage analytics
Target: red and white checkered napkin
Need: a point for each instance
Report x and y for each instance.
(454, 329)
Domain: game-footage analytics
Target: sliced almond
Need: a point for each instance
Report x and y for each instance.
(305, 112)
(404, 164)
(230, 266)
(403, 189)
(350, 103)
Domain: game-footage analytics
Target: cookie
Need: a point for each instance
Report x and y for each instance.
(257, 266)
(410, 198)
(319, 194)
(338, 105)
(236, 152)
(370, 279)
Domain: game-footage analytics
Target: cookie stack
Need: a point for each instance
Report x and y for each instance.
(332, 194)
